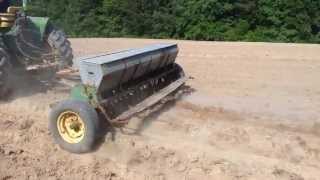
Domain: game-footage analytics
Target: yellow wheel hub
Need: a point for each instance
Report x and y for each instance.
(71, 127)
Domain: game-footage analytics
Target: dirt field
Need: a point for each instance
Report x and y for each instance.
(253, 112)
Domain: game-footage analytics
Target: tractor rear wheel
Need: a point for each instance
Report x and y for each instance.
(4, 73)
(61, 47)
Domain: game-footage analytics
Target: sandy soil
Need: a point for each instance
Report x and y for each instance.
(253, 113)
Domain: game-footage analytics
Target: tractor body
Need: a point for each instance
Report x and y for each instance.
(29, 41)
(24, 37)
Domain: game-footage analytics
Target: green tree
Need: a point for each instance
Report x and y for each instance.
(232, 20)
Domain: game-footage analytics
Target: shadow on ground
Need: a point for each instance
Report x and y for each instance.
(27, 83)
(161, 107)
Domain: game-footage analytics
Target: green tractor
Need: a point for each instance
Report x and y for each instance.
(29, 41)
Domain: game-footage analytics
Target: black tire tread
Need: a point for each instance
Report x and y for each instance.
(4, 73)
(57, 40)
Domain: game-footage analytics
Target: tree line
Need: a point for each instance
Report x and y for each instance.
(218, 20)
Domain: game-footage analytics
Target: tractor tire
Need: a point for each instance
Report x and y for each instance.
(60, 46)
(4, 73)
(74, 125)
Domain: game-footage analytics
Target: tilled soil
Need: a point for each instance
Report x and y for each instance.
(251, 112)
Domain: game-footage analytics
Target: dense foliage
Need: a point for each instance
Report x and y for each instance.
(230, 20)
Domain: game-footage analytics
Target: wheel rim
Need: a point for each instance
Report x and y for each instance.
(71, 127)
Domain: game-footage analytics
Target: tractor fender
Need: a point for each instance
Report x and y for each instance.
(39, 24)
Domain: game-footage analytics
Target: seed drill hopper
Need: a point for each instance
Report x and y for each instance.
(114, 87)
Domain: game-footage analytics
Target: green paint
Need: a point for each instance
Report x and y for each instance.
(24, 4)
(39, 25)
(4, 30)
(78, 93)
(85, 93)
(36, 27)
